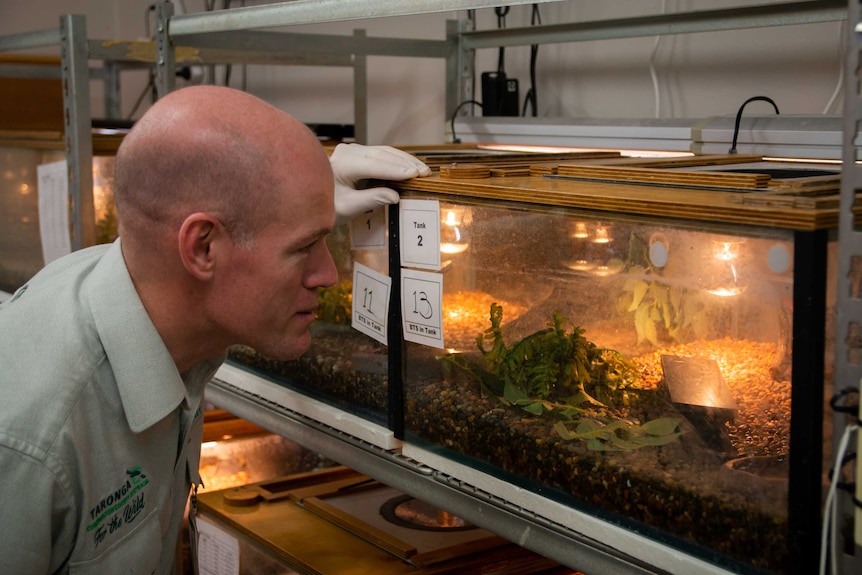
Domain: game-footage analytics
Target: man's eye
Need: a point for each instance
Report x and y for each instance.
(307, 248)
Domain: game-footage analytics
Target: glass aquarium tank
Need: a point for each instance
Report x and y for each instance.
(20, 239)
(343, 367)
(659, 368)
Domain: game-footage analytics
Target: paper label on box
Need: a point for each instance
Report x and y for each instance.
(421, 307)
(54, 210)
(420, 233)
(370, 302)
(218, 552)
(368, 230)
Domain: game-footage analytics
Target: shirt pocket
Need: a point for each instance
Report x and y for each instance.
(138, 552)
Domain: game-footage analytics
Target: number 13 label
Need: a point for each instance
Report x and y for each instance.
(421, 305)
(370, 302)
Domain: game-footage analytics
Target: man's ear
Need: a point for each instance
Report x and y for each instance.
(197, 239)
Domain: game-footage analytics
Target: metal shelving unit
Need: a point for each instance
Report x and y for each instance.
(848, 337)
(233, 36)
(528, 529)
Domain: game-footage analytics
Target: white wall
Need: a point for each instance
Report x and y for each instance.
(698, 75)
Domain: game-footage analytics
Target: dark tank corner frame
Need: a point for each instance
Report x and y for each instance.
(394, 335)
(806, 397)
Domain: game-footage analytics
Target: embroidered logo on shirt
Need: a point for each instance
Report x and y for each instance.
(120, 507)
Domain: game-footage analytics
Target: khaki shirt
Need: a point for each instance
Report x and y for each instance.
(99, 434)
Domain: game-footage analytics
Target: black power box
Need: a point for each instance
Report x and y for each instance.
(499, 94)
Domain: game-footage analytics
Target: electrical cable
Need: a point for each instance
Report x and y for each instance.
(455, 139)
(151, 80)
(830, 515)
(840, 402)
(140, 99)
(739, 117)
(535, 19)
(840, 83)
(501, 12)
(652, 71)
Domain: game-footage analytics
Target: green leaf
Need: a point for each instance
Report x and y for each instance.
(650, 332)
(569, 412)
(535, 407)
(512, 393)
(625, 301)
(656, 440)
(588, 426)
(563, 431)
(661, 426)
(640, 291)
(596, 445)
(641, 318)
(676, 295)
(623, 444)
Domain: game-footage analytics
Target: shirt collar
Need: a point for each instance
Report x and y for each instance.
(149, 384)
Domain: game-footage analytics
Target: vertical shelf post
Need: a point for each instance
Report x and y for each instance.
(77, 129)
(848, 336)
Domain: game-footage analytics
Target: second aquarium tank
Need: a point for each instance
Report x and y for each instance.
(662, 372)
(343, 367)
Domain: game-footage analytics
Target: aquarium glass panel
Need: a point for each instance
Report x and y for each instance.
(20, 241)
(637, 369)
(343, 367)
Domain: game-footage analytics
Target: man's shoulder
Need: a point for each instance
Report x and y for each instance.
(51, 358)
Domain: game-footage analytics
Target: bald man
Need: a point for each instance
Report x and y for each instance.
(224, 204)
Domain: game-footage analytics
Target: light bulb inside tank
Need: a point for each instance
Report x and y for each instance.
(725, 281)
(580, 231)
(602, 234)
(453, 230)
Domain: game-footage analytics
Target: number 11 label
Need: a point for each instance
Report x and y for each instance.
(370, 302)
(421, 305)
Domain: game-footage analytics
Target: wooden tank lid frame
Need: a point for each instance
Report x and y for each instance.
(642, 186)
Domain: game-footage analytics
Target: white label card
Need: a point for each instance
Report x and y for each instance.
(218, 552)
(368, 230)
(420, 233)
(371, 302)
(421, 307)
(54, 210)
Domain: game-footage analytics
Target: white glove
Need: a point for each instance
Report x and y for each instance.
(354, 164)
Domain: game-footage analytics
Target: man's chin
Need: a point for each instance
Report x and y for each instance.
(293, 350)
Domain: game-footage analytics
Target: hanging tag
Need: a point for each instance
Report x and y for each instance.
(421, 306)
(420, 233)
(54, 210)
(370, 302)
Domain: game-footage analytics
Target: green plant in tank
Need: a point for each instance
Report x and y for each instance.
(106, 226)
(563, 375)
(662, 311)
(334, 303)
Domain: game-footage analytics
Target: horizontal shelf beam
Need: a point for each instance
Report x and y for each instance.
(761, 16)
(293, 43)
(319, 11)
(414, 479)
(28, 40)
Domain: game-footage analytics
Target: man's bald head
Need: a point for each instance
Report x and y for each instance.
(205, 148)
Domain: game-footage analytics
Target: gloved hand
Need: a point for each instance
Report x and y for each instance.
(354, 164)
